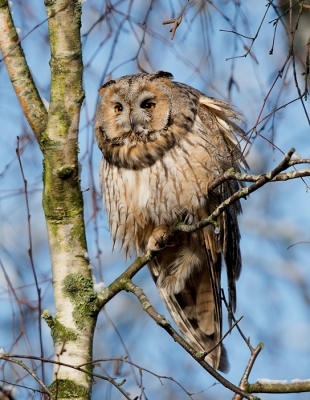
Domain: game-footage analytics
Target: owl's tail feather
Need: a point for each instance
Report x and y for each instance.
(188, 324)
(185, 285)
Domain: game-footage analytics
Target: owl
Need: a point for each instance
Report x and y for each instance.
(163, 143)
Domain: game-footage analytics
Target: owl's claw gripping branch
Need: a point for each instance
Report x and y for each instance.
(156, 241)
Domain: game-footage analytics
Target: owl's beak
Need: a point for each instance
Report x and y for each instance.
(133, 122)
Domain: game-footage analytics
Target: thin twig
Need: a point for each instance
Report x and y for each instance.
(176, 22)
(252, 39)
(244, 380)
(241, 177)
(10, 358)
(241, 193)
(232, 318)
(221, 340)
(30, 252)
(32, 373)
(21, 386)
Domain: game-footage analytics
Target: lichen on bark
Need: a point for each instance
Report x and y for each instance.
(59, 332)
(67, 389)
(79, 289)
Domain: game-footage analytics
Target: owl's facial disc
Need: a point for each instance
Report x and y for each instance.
(136, 127)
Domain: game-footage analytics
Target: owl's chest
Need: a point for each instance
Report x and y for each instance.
(172, 186)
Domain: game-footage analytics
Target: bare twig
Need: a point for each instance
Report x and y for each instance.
(248, 49)
(176, 22)
(32, 373)
(30, 252)
(244, 380)
(231, 175)
(295, 244)
(203, 355)
(160, 377)
(232, 317)
(11, 358)
(22, 386)
(241, 193)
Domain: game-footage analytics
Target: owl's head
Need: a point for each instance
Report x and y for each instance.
(140, 117)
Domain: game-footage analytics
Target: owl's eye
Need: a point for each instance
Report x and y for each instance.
(148, 104)
(118, 108)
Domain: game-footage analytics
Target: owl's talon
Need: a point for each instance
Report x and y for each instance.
(156, 241)
(189, 219)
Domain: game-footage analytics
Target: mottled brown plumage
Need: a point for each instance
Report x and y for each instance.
(163, 143)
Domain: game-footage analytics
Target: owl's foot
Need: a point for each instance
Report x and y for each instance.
(156, 242)
(184, 215)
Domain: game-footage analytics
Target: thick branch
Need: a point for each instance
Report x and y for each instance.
(275, 387)
(115, 287)
(19, 72)
(75, 318)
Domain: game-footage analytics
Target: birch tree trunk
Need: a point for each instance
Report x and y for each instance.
(74, 322)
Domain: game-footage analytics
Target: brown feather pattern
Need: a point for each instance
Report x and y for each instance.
(158, 170)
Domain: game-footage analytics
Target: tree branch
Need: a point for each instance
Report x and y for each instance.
(19, 72)
(276, 387)
(259, 180)
(244, 380)
(165, 324)
(32, 373)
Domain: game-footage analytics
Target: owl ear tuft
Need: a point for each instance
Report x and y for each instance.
(103, 87)
(161, 74)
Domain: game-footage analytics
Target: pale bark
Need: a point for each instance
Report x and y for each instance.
(75, 318)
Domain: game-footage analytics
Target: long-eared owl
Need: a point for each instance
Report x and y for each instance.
(163, 142)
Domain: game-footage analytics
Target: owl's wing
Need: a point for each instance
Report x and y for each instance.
(187, 277)
(218, 118)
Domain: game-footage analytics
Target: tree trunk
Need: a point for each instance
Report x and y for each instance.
(74, 322)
